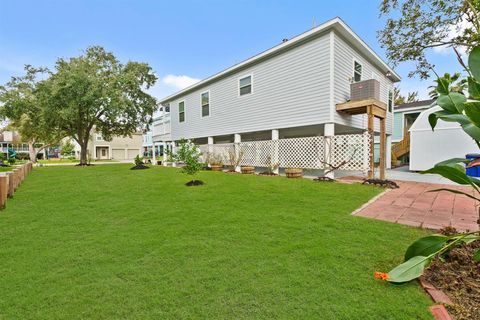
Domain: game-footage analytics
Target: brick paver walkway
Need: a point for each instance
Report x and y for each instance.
(413, 205)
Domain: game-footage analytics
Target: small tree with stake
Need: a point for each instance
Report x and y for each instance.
(189, 154)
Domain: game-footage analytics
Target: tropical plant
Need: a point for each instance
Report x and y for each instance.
(189, 154)
(463, 109)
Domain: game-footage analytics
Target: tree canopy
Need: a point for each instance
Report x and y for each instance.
(414, 26)
(96, 92)
(20, 105)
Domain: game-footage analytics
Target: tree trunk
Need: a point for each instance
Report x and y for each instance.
(83, 154)
(32, 152)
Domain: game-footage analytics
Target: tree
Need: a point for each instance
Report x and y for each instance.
(415, 26)
(96, 92)
(189, 154)
(400, 99)
(20, 105)
(67, 148)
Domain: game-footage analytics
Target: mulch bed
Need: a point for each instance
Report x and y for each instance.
(324, 179)
(267, 173)
(194, 183)
(139, 167)
(381, 183)
(459, 277)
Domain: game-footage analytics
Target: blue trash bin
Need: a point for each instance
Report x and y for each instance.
(474, 171)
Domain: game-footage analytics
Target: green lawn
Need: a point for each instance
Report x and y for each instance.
(105, 242)
(58, 161)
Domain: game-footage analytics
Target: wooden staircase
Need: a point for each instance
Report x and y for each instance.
(401, 148)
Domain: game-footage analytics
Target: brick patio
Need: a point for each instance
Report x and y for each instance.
(413, 205)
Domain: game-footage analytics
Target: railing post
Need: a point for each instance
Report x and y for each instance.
(275, 158)
(3, 190)
(328, 133)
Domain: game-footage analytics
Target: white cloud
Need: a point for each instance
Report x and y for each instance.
(453, 31)
(179, 82)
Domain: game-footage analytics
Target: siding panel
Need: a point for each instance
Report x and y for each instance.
(289, 90)
(343, 72)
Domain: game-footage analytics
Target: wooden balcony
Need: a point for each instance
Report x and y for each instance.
(374, 109)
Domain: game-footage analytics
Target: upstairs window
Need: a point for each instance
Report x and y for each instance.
(390, 101)
(245, 85)
(181, 111)
(99, 137)
(357, 72)
(205, 97)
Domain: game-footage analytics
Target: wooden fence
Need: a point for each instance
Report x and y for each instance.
(11, 180)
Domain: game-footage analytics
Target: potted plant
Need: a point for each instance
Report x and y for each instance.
(216, 162)
(294, 172)
(247, 169)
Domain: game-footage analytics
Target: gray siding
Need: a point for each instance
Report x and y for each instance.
(289, 90)
(345, 56)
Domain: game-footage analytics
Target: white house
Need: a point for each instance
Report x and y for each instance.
(290, 91)
(447, 141)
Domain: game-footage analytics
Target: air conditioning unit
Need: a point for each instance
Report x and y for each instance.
(366, 89)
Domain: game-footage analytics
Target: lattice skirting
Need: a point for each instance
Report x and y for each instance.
(347, 152)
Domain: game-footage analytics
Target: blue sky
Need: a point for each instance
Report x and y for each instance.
(182, 40)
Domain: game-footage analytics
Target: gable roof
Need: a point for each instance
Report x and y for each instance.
(336, 24)
(415, 104)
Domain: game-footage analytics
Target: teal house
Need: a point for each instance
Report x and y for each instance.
(404, 115)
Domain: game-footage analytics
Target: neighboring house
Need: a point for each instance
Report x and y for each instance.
(11, 140)
(289, 91)
(119, 148)
(147, 143)
(404, 115)
(428, 147)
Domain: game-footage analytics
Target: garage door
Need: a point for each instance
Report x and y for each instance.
(118, 154)
(132, 153)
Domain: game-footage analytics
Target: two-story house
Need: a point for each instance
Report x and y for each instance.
(292, 90)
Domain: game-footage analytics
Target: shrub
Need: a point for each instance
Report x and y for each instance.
(189, 154)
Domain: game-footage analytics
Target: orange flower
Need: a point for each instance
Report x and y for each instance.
(381, 275)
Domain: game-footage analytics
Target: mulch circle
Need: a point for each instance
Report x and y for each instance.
(267, 173)
(139, 167)
(194, 183)
(381, 183)
(458, 276)
(324, 179)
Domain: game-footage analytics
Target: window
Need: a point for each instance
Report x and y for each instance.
(99, 137)
(390, 101)
(245, 85)
(357, 71)
(205, 104)
(181, 111)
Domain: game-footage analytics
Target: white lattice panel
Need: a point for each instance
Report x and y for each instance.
(309, 153)
(352, 150)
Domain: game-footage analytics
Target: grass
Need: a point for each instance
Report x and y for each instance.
(59, 161)
(105, 242)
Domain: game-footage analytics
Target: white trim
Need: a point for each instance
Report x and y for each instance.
(251, 84)
(355, 60)
(101, 146)
(403, 120)
(335, 23)
(209, 103)
(425, 107)
(332, 75)
(178, 112)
